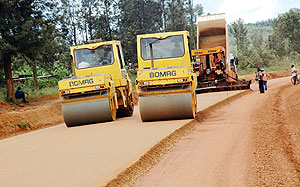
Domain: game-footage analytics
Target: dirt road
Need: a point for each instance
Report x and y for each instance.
(88, 155)
(253, 141)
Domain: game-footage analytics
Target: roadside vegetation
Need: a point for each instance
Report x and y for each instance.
(272, 44)
(35, 39)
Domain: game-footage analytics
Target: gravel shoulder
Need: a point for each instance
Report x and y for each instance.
(250, 142)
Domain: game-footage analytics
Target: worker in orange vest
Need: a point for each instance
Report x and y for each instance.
(265, 78)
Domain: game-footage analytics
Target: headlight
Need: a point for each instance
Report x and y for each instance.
(65, 92)
(98, 87)
(145, 83)
(180, 80)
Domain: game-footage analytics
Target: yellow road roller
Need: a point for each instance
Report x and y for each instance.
(165, 80)
(100, 89)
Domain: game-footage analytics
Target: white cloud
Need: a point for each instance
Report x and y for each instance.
(249, 11)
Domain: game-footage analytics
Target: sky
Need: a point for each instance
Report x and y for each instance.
(250, 11)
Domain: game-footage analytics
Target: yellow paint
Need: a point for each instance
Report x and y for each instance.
(185, 60)
(113, 69)
(166, 71)
(208, 51)
(108, 77)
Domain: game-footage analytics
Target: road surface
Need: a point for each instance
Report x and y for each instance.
(88, 155)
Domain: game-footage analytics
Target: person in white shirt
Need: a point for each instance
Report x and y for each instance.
(294, 74)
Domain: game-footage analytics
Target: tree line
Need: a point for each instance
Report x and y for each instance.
(282, 44)
(38, 33)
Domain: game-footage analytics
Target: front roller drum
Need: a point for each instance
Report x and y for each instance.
(89, 112)
(166, 107)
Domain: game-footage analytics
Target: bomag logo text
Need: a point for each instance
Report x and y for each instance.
(81, 82)
(163, 74)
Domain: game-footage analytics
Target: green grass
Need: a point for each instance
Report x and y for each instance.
(40, 92)
(32, 93)
(132, 76)
(2, 93)
(277, 66)
(22, 124)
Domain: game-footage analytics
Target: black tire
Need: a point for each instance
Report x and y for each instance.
(294, 80)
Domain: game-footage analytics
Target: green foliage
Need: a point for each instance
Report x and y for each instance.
(239, 33)
(288, 26)
(176, 16)
(22, 124)
(40, 92)
(132, 76)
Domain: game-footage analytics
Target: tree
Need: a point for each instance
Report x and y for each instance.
(137, 17)
(239, 32)
(287, 26)
(192, 13)
(22, 31)
(176, 16)
(69, 20)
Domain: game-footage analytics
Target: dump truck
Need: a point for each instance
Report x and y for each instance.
(100, 89)
(214, 65)
(165, 80)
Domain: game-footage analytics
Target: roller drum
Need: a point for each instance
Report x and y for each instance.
(165, 107)
(87, 112)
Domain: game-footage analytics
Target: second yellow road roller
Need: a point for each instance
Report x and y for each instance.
(165, 81)
(100, 89)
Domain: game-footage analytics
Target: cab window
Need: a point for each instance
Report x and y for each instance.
(170, 47)
(88, 58)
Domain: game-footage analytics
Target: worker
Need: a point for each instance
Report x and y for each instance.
(19, 94)
(265, 78)
(222, 66)
(259, 77)
(216, 59)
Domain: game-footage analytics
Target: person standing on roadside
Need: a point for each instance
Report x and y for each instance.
(259, 77)
(265, 78)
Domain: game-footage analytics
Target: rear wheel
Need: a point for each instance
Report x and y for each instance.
(294, 80)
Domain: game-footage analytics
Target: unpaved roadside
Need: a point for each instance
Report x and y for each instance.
(275, 158)
(250, 142)
(39, 113)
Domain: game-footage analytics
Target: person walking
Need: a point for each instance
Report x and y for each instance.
(265, 79)
(19, 94)
(259, 77)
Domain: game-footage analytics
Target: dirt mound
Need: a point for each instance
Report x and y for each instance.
(271, 75)
(275, 75)
(39, 113)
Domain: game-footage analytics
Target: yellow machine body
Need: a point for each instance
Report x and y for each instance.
(216, 76)
(100, 88)
(165, 80)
